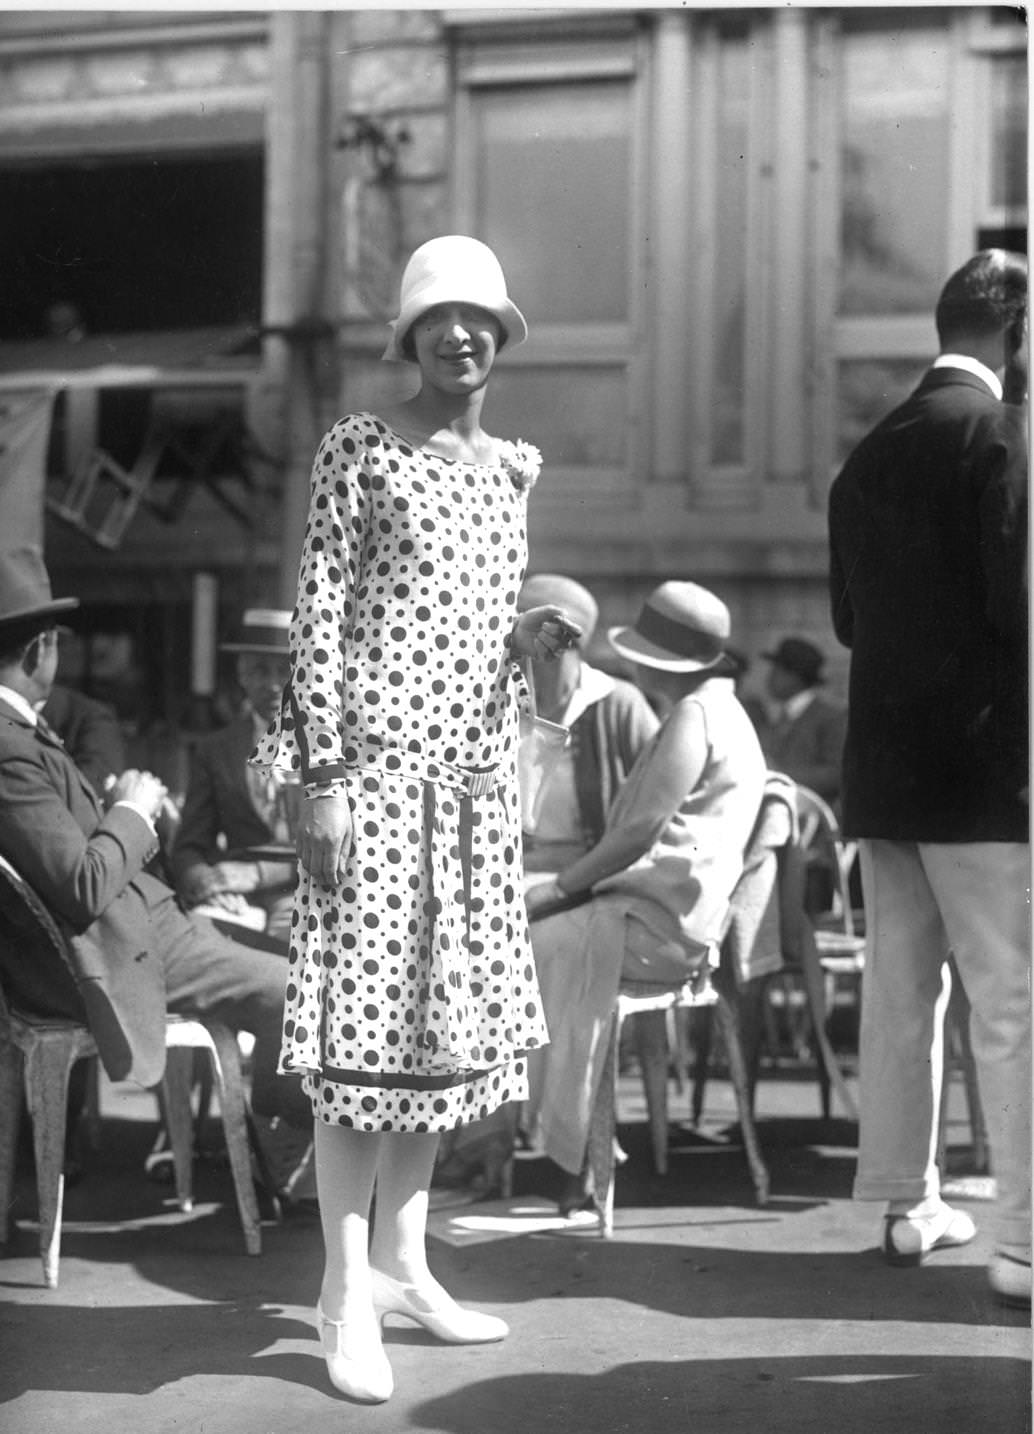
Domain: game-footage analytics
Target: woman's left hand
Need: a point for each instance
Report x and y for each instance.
(324, 838)
(543, 633)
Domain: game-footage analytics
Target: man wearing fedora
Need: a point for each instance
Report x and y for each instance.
(231, 807)
(928, 525)
(135, 955)
(805, 739)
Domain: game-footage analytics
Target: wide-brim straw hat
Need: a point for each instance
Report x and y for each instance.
(454, 269)
(680, 628)
(262, 629)
(27, 604)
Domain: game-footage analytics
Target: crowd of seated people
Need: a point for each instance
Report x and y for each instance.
(637, 847)
(610, 722)
(88, 853)
(650, 898)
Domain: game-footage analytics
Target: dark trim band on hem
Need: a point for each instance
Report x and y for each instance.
(401, 1080)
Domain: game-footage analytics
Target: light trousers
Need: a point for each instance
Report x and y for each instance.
(922, 900)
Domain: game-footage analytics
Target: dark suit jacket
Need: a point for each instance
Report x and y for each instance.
(928, 528)
(87, 867)
(811, 748)
(218, 803)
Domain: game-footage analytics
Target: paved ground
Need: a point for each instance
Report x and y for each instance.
(703, 1314)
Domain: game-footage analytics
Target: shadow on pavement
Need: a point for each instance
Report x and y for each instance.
(232, 1312)
(797, 1395)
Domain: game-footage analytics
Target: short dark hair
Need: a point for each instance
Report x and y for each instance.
(987, 296)
(15, 643)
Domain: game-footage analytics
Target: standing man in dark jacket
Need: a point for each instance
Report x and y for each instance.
(928, 532)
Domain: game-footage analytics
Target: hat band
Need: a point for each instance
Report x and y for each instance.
(683, 641)
(262, 637)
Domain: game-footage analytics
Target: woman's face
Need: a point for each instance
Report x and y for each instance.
(455, 346)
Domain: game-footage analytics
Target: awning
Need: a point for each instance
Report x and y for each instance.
(31, 361)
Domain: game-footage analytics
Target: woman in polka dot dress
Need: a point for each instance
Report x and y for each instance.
(411, 995)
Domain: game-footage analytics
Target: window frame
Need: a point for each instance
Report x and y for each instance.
(537, 53)
(835, 338)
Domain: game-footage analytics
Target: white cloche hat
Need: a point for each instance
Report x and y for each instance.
(454, 269)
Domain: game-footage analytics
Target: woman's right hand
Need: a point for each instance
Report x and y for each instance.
(543, 633)
(324, 838)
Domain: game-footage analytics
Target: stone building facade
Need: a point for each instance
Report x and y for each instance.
(727, 229)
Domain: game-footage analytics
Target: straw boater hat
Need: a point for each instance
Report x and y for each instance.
(27, 605)
(454, 269)
(680, 628)
(800, 657)
(262, 629)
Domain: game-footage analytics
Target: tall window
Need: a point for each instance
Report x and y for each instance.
(548, 141)
(732, 163)
(894, 167)
(930, 123)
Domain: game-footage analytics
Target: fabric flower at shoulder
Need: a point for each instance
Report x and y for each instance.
(522, 462)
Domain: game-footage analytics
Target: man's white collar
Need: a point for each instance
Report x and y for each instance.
(971, 365)
(18, 702)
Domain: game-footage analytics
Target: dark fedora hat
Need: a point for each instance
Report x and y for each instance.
(27, 604)
(262, 629)
(680, 628)
(800, 657)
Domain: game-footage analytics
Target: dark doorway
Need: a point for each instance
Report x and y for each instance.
(132, 244)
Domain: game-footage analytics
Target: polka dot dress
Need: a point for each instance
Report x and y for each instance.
(411, 995)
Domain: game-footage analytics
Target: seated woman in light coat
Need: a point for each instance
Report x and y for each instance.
(653, 893)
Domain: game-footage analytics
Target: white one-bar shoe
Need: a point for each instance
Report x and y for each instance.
(908, 1239)
(443, 1317)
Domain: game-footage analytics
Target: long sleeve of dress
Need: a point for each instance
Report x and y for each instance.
(309, 733)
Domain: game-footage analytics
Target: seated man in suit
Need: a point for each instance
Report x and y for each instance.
(806, 741)
(135, 955)
(231, 806)
(806, 738)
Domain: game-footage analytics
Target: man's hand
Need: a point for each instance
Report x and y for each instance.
(543, 633)
(225, 878)
(324, 838)
(229, 901)
(143, 789)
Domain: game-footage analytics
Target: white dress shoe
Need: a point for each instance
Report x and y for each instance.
(440, 1314)
(1009, 1278)
(908, 1239)
(356, 1363)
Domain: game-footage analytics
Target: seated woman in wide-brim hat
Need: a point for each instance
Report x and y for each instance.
(653, 894)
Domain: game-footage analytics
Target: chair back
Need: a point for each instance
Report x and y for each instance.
(30, 939)
(752, 941)
(820, 831)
